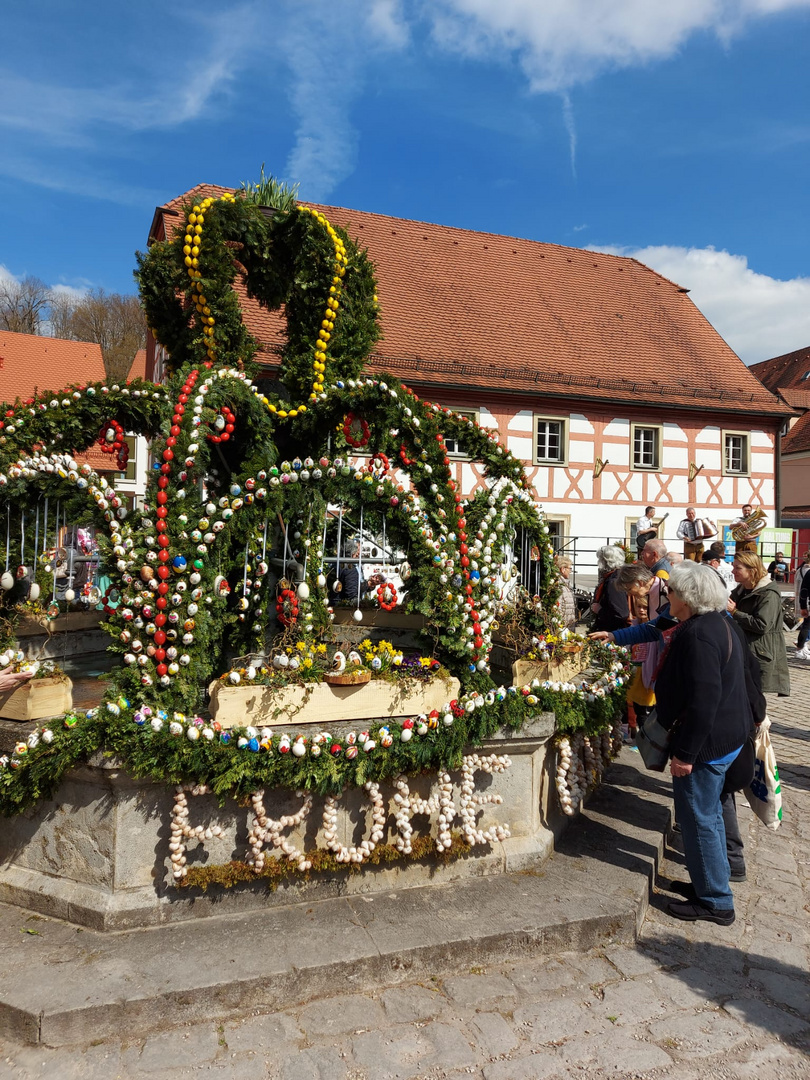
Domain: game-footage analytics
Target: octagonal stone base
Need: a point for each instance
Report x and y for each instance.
(97, 854)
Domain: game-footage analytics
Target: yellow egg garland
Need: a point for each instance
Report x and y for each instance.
(192, 245)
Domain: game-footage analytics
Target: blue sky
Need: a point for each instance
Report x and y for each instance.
(678, 133)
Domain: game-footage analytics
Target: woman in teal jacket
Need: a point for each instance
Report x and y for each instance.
(756, 607)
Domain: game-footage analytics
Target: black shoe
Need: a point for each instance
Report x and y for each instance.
(684, 888)
(738, 875)
(694, 911)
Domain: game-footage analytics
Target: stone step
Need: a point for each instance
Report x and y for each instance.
(64, 985)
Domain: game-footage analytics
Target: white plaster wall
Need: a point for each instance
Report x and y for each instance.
(522, 421)
(709, 435)
(761, 463)
(635, 485)
(581, 451)
(618, 429)
(711, 460)
(674, 457)
(580, 425)
(674, 433)
(487, 419)
(679, 492)
(763, 439)
(521, 447)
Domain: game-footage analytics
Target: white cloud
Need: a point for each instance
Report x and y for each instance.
(759, 316)
(158, 96)
(327, 80)
(560, 43)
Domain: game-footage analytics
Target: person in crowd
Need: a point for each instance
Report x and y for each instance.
(566, 605)
(351, 583)
(647, 597)
(801, 605)
(674, 557)
(12, 680)
(702, 700)
(646, 529)
(690, 532)
(610, 605)
(720, 567)
(779, 569)
(745, 545)
(654, 557)
(756, 606)
(654, 635)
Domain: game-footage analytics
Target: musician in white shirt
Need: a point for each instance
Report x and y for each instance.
(689, 531)
(646, 529)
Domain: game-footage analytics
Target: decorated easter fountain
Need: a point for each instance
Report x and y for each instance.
(247, 750)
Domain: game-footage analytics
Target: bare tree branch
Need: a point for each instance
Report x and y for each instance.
(23, 304)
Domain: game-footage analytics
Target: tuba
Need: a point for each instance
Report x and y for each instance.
(751, 526)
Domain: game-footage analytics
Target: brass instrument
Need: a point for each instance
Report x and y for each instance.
(751, 526)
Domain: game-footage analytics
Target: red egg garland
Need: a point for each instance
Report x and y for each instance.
(111, 440)
(387, 596)
(287, 607)
(356, 431)
(226, 429)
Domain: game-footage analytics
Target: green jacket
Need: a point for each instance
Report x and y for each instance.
(759, 616)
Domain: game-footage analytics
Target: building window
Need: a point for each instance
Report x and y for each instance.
(549, 441)
(452, 445)
(646, 447)
(735, 453)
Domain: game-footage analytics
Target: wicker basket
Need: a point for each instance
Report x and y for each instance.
(347, 678)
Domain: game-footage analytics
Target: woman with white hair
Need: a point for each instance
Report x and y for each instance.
(610, 605)
(703, 702)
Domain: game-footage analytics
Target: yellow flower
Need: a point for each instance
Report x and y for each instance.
(424, 661)
(321, 649)
(300, 645)
(307, 663)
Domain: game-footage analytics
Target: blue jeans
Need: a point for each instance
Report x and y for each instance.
(698, 810)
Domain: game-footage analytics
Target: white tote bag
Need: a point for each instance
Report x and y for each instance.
(765, 792)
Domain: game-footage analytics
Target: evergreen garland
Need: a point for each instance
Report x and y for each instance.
(229, 465)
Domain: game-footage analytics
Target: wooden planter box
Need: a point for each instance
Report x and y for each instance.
(37, 700)
(561, 669)
(318, 703)
(379, 617)
(31, 625)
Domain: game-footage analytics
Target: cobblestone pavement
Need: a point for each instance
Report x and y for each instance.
(686, 1003)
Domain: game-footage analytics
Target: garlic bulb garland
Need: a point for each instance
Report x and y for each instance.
(181, 832)
(581, 764)
(265, 831)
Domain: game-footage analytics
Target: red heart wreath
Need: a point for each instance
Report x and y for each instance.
(356, 431)
(387, 596)
(111, 439)
(287, 607)
(225, 425)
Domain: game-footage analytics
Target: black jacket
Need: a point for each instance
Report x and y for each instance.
(614, 609)
(701, 690)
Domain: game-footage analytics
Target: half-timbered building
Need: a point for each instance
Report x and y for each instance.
(599, 373)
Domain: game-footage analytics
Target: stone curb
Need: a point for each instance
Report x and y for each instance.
(61, 985)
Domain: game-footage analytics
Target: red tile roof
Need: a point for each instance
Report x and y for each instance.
(798, 438)
(783, 371)
(29, 363)
(138, 369)
(478, 310)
